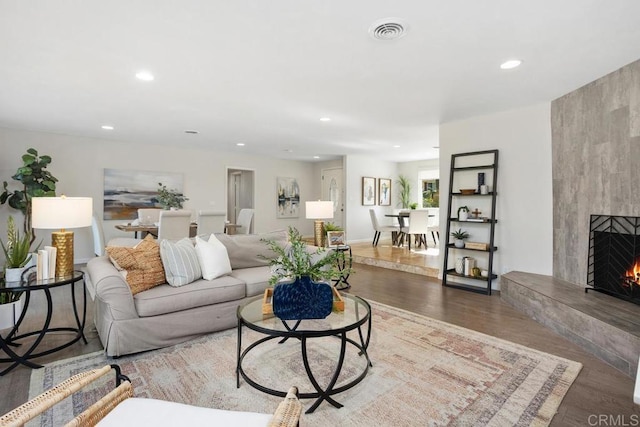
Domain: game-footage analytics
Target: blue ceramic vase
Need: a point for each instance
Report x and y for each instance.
(302, 299)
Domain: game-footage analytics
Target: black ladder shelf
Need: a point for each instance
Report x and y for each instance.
(462, 164)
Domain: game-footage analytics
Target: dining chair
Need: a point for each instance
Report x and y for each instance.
(98, 238)
(379, 229)
(174, 225)
(211, 222)
(418, 226)
(434, 224)
(245, 219)
(147, 216)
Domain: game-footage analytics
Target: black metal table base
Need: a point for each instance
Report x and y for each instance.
(12, 339)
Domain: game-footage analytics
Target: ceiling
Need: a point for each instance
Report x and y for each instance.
(263, 73)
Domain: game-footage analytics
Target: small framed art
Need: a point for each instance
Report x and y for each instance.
(384, 191)
(335, 238)
(368, 191)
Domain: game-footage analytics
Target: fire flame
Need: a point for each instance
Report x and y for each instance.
(632, 275)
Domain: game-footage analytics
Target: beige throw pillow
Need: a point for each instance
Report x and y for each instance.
(140, 265)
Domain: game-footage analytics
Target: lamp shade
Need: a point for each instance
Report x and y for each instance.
(319, 209)
(61, 212)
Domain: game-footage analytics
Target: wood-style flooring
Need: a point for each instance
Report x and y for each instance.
(598, 390)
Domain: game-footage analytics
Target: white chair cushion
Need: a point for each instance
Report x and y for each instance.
(213, 257)
(151, 412)
(181, 265)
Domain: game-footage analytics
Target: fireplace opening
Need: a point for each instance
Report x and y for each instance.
(614, 256)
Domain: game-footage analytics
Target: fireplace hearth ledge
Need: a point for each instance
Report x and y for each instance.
(605, 326)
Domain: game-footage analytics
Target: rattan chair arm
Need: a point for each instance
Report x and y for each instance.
(288, 412)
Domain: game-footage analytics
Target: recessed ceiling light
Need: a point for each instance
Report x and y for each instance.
(107, 127)
(316, 157)
(145, 76)
(325, 119)
(512, 63)
(240, 144)
(396, 146)
(191, 132)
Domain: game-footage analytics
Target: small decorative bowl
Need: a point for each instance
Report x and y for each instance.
(467, 190)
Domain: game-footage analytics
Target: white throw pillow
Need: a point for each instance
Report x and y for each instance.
(213, 257)
(181, 265)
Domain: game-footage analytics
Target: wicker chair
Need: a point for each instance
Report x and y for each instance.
(287, 414)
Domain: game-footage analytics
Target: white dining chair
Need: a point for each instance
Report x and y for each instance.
(174, 225)
(148, 216)
(434, 224)
(379, 229)
(211, 222)
(418, 226)
(245, 220)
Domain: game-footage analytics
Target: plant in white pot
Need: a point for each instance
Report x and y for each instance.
(169, 198)
(459, 235)
(17, 252)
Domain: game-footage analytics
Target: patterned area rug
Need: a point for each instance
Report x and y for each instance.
(425, 372)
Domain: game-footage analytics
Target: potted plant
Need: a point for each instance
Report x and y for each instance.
(36, 182)
(299, 277)
(170, 199)
(405, 191)
(463, 213)
(17, 252)
(459, 235)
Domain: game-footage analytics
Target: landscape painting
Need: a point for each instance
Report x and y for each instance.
(125, 191)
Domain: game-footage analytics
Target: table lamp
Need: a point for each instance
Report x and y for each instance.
(319, 210)
(62, 213)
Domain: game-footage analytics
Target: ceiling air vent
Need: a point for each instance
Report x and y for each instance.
(388, 29)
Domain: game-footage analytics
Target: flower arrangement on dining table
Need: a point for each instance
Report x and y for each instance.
(170, 198)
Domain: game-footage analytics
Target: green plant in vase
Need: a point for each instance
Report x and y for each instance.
(459, 235)
(329, 226)
(17, 252)
(168, 198)
(405, 191)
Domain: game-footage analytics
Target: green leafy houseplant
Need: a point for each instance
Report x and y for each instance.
(459, 234)
(36, 182)
(329, 226)
(405, 191)
(295, 260)
(18, 248)
(170, 198)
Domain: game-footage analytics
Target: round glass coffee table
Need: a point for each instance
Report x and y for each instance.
(355, 319)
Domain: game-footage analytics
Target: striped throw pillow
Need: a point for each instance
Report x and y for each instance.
(180, 262)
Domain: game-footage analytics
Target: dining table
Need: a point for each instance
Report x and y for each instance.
(152, 229)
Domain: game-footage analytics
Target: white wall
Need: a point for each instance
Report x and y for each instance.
(524, 233)
(79, 162)
(358, 227)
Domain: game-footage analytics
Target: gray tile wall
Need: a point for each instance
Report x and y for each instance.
(596, 163)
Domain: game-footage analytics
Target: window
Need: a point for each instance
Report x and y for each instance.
(430, 193)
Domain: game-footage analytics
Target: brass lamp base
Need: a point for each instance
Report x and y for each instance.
(318, 233)
(63, 242)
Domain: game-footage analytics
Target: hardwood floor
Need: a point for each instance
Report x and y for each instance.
(598, 390)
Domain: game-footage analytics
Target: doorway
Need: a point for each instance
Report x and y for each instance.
(240, 192)
(332, 189)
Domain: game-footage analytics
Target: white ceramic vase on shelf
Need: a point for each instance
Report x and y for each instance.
(459, 265)
(463, 215)
(459, 243)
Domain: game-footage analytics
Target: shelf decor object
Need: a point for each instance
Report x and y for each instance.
(463, 167)
(62, 213)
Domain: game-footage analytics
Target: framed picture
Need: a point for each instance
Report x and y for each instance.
(384, 191)
(335, 238)
(126, 191)
(368, 191)
(288, 197)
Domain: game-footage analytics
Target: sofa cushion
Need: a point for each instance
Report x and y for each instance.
(256, 279)
(180, 261)
(250, 250)
(168, 299)
(213, 257)
(140, 265)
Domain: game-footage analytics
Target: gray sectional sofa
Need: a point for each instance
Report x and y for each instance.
(165, 315)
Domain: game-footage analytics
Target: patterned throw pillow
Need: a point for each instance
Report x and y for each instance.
(180, 262)
(140, 266)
